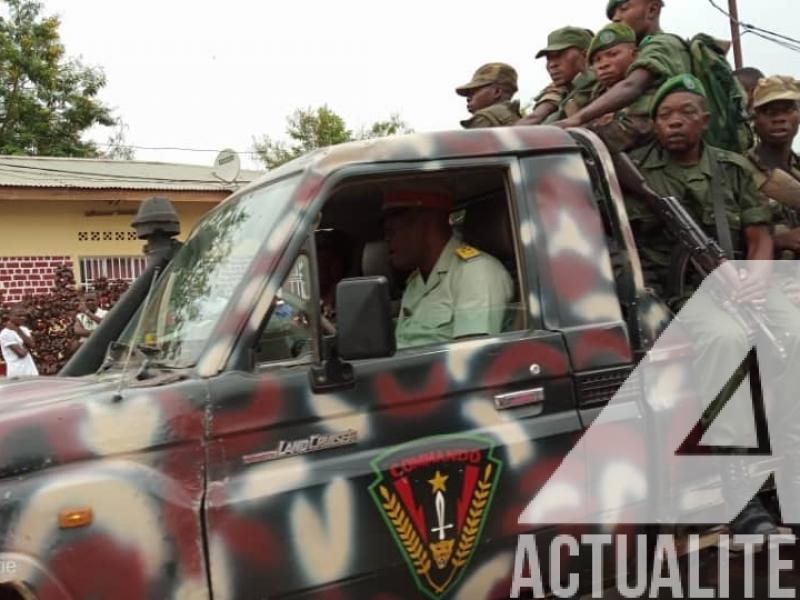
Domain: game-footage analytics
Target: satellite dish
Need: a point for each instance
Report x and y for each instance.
(227, 166)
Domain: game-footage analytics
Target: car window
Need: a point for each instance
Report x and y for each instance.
(474, 288)
(477, 290)
(287, 334)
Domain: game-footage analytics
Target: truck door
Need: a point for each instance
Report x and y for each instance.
(580, 299)
(408, 483)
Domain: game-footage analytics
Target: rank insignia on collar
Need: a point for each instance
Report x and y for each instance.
(434, 495)
(467, 252)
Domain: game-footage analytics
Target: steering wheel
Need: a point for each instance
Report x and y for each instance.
(297, 303)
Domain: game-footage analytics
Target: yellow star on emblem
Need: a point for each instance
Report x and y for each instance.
(438, 481)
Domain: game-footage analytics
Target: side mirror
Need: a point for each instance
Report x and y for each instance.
(364, 319)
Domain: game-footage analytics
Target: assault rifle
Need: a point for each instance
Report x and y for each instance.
(703, 251)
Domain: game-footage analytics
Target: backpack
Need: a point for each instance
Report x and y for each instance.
(727, 101)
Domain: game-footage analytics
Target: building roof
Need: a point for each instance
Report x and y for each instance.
(98, 173)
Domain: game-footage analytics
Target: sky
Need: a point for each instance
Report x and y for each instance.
(212, 75)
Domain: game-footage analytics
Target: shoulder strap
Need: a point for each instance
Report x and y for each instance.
(720, 218)
(490, 114)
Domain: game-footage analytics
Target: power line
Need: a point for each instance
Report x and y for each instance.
(784, 41)
(172, 148)
(107, 178)
(785, 45)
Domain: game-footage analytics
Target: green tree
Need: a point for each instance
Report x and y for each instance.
(393, 126)
(47, 100)
(312, 128)
(117, 146)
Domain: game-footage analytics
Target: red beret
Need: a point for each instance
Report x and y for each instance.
(409, 199)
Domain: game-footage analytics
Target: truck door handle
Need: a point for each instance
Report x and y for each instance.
(521, 398)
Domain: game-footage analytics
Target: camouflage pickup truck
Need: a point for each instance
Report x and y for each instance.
(237, 443)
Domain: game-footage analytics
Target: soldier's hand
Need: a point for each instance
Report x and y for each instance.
(788, 240)
(529, 120)
(568, 123)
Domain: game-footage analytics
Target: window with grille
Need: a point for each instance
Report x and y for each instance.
(126, 268)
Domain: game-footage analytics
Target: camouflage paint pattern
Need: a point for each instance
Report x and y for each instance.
(176, 507)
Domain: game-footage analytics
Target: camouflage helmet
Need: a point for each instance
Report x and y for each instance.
(500, 73)
(777, 87)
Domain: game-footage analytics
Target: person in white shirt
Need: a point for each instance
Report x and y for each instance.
(89, 316)
(16, 343)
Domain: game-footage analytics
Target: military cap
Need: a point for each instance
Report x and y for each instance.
(612, 5)
(499, 73)
(567, 37)
(401, 199)
(680, 83)
(611, 35)
(777, 87)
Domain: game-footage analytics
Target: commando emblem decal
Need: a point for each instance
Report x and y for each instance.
(435, 495)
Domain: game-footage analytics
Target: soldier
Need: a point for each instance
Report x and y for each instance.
(718, 191)
(612, 52)
(679, 164)
(776, 167)
(566, 64)
(660, 57)
(489, 97)
(748, 78)
(454, 290)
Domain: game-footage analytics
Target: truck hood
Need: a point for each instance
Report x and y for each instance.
(50, 421)
(40, 392)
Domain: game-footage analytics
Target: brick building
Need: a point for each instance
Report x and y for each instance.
(77, 212)
(28, 274)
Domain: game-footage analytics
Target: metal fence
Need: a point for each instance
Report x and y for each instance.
(126, 268)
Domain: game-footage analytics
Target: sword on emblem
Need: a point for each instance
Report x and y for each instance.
(440, 517)
(443, 549)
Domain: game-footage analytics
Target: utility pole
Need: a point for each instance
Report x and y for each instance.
(733, 11)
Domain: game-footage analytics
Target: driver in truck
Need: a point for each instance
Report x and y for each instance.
(454, 290)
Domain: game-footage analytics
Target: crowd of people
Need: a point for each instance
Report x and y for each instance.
(17, 341)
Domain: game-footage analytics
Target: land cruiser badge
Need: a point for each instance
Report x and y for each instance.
(435, 495)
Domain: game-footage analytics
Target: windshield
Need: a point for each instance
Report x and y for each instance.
(190, 297)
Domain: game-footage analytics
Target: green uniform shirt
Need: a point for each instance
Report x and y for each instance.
(554, 94)
(496, 115)
(569, 99)
(467, 293)
(744, 204)
(777, 194)
(621, 131)
(662, 55)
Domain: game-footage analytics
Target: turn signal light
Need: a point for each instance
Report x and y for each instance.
(75, 517)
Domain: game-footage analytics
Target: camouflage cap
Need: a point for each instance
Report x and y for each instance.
(777, 87)
(567, 37)
(611, 35)
(680, 83)
(500, 73)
